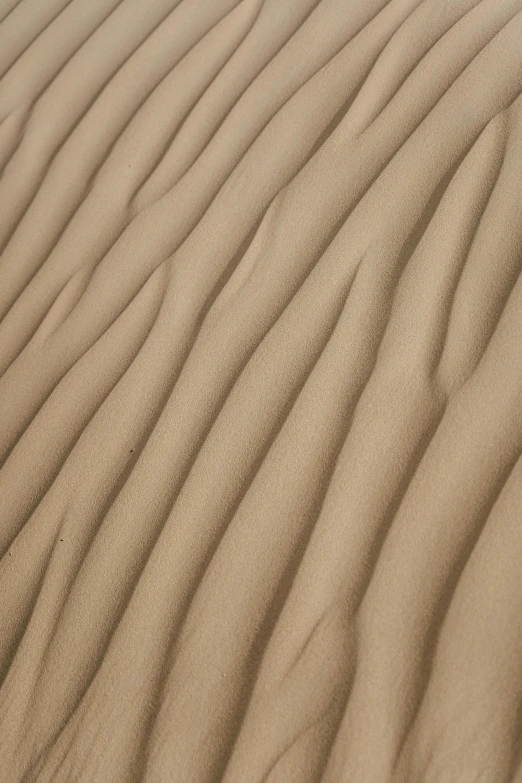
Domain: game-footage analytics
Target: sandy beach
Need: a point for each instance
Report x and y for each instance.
(260, 391)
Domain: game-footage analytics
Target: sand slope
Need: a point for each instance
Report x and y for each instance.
(261, 391)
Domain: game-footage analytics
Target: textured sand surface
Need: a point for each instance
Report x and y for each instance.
(261, 391)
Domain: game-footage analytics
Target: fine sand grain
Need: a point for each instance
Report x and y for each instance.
(261, 391)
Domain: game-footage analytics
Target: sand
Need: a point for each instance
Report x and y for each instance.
(261, 391)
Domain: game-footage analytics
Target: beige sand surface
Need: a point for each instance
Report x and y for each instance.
(261, 391)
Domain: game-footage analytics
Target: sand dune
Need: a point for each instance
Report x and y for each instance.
(261, 391)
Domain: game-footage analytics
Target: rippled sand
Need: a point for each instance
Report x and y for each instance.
(261, 391)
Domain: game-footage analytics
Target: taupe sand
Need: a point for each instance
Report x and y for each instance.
(261, 391)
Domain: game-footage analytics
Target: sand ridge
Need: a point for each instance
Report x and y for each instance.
(260, 386)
